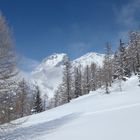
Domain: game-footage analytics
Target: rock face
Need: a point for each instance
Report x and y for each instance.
(48, 75)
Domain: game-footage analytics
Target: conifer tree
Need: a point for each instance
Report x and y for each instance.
(121, 69)
(38, 107)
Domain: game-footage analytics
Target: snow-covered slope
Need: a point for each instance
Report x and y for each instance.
(95, 116)
(48, 75)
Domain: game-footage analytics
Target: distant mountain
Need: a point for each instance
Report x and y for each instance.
(48, 74)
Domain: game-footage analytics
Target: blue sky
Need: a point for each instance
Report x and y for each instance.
(75, 27)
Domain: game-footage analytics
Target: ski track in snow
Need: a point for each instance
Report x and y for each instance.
(30, 132)
(112, 109)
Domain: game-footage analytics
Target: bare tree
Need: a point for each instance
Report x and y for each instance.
(107, 68)
(67, 78)
(77, 82)
(23, 103)
(93, 76)
(86, 80)
(134, 52)
(8, 71)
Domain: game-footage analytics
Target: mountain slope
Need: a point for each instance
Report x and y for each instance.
(94, 116)
(48, 75)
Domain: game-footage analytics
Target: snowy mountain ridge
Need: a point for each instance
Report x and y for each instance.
(88, 59)
(48, 75)
(54, 60)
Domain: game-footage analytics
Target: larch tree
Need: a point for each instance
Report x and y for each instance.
(8, 72)
(107, 68)
(86, 80)
(67, 79)
(60, 96)
(22, 104)
(134, 51)
(99, 77)
(93, 75)
(78, 82)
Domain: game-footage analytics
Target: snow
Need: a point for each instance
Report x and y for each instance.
(48, 75)
(51, 61)
(88, 59)
(48, 80)
(94, 116)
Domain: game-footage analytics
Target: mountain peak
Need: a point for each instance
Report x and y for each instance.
(54, 60)
(89, 58)
(49, 73)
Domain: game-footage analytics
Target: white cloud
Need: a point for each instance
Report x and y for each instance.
(128, 15)
(27, 64)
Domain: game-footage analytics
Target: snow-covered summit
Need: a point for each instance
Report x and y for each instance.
(54, 59)
(89, 58)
